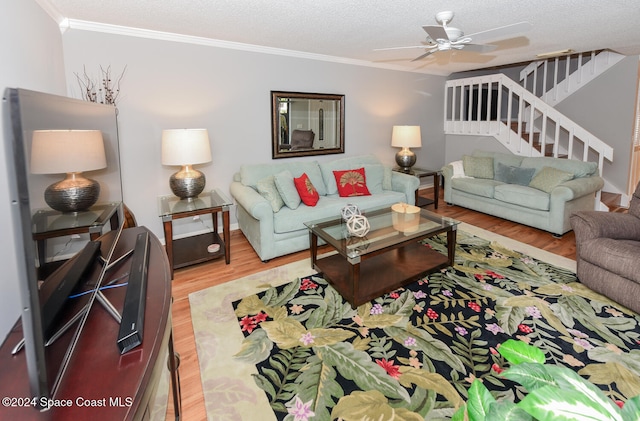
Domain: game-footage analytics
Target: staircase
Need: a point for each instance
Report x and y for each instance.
(521, 116)
(555, 79)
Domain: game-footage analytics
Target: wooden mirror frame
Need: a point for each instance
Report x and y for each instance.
(325, 126)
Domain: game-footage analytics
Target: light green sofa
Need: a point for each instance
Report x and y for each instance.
(273, 234)
(549, 211)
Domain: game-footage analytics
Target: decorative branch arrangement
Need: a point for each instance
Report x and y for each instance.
(105, 91)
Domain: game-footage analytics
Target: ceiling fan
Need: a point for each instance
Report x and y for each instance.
(446, 38)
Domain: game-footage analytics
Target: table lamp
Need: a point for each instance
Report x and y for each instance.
(406, 137)
(186, 147)
(70, 152)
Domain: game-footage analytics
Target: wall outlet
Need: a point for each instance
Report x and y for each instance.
(196, 217)
(75, 236)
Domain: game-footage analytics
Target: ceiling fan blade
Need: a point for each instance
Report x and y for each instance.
(428, 53)
(479, 48)
(404, 48)
(502, 32)
(435, 32)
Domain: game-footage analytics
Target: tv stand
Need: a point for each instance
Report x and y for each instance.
(118, 387)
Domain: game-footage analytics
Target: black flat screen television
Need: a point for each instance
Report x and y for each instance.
(25, 111)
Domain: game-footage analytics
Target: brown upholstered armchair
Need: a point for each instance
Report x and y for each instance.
(608, 252)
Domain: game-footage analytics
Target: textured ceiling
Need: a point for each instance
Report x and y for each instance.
(350, 30)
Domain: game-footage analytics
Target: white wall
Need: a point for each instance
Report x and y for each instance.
(459, 145)
(174, 85)
(31, 59)
(606, 108)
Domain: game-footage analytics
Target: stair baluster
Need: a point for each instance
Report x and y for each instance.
(540, 129)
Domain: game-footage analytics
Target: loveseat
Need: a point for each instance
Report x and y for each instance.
(269, 208)
(607, 250)
(541, 192)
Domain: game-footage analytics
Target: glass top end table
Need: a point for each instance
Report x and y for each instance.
(47, 224)
(49, 220)
(170, 204)
(421, 173)
(196, 248)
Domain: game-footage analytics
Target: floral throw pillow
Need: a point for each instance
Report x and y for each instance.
(307, 192)
(351, 183)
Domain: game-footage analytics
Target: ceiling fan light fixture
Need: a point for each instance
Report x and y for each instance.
(551, 54)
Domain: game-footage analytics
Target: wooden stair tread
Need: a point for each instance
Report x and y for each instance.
(612, 201)
(609, 198)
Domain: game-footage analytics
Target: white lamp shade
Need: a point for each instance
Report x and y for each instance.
(185, 147)
(67, 151)
(406, 137)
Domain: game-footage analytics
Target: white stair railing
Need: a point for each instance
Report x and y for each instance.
(556, 78)
(495, 105)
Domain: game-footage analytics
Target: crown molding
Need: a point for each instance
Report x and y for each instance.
(67, 24)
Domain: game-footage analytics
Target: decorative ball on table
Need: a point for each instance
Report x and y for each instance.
(358, 226)
(348, 211)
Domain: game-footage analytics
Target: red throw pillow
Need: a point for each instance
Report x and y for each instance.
(351, 183)
(307, 192)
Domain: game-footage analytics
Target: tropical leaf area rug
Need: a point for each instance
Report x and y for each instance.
(411, 354)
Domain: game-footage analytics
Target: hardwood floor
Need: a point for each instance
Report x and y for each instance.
(244, 261)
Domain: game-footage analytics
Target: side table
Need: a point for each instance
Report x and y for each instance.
(420, 173)
(193, 249)
(49, 223)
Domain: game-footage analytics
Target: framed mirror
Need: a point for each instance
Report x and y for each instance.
(304, 124)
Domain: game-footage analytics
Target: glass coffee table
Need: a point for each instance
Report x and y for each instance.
(387, 258)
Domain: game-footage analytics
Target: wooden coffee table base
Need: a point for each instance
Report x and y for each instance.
(383, 272)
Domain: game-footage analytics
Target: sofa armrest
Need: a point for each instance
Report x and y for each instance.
(577, 187)
(447, 174)
(255, 205)
(405, 183)
(588, 225)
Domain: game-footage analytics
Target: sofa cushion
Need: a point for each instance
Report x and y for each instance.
(376, 175)
(615, 256)
(350, 163)
(250, 174)
(351, 183)
(501, 158)
(478, 186)
(478, 167)
(308, 194)
(513, 175)
(287, 189)
(329, 206)
(577, 168)
(548, 178)
(267, 189)
(522, 196)
(378, 178)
